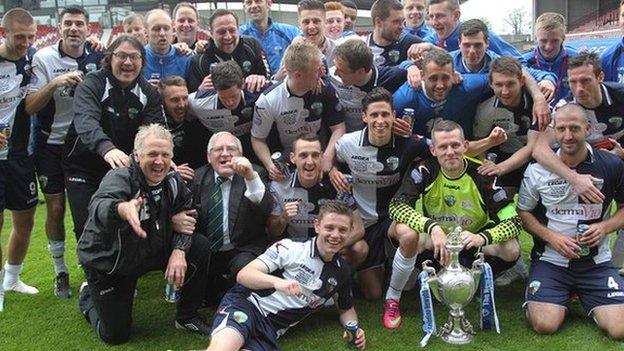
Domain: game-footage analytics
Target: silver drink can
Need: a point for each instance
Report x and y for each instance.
(280, 161)
(172, 293)
(599, 184)
(351, 329)
(491, 156)
(580, 231)
(408, 116)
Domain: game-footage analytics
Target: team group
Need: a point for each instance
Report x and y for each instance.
(265, 168)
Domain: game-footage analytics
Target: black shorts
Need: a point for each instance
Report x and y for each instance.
(375, 236)
(18, 187)
(238, 313)
(49, 164)
(597, 285)
(512, 179)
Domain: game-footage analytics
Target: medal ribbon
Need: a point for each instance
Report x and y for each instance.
(426, 305)
(488, 305)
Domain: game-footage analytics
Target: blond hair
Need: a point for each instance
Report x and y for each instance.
(550, 21)
(155, 130)
(300, 56)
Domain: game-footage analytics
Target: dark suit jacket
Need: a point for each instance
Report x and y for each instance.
(246, 220)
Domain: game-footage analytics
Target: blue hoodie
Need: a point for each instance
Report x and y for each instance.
(558, 66)
(421, 31)
(170, 64)
(497, 44)
(613, 62)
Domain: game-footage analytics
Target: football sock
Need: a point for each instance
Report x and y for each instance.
(402, 267)
(12, 281)
(57, 251)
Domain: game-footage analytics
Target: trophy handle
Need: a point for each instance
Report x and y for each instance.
(477, 268)
(433, 279)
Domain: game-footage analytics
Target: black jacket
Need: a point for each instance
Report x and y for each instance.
(107, 117)
(248, 54)
(108, 243)
(246, 220)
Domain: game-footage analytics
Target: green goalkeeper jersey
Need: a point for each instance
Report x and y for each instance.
(472, 201)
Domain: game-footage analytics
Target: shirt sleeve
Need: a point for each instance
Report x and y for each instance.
(528, 195)
(278, 255)
(402, 206)
(262, 119)
(40, 74)
(255, 189)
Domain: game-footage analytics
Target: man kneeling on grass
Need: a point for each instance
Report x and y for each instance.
(262, 306)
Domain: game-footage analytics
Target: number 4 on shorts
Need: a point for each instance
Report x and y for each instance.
(612, 284)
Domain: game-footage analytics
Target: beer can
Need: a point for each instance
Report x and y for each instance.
(5, 129)
(172, 293)
(281, 161)
(491, 156)
(599, 184)
(350, 334)
(408, 116)
(67, 91)
(155, 76)
(212, 67)
(349, 178)
(580, 231)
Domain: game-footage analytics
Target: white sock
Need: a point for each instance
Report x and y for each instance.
(401, 269)
(12, 281)
(57, 251)
(11, 274)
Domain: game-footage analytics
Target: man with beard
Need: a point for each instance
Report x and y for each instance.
(162, 59)
(571, 252)
(58, 69)
(444, 96)
(18, 188)
(109, 106)
(226, 44)
(387, 41)
(275, 37)
(189, 136)
(227, 108)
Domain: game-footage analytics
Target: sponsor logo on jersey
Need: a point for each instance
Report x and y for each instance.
(577, 211)
(416, 176)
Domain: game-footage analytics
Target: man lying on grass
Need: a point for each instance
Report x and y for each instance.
(264, 303)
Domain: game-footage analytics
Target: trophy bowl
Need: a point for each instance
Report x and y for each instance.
(455, 287)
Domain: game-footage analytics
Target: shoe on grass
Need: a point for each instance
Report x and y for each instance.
(392, 314)
(519, 271)
(20, 287)
(194, 325)
(61, 286)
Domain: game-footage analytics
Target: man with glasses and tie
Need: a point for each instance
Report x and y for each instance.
(233, 203)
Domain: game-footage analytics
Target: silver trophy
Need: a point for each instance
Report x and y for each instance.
(455, 286)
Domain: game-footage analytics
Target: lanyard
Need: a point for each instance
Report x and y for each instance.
(562, 68)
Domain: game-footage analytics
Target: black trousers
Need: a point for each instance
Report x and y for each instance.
(80, 187)
(224, 264)
(108, 299)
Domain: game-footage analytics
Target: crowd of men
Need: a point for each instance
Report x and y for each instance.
(266, 169)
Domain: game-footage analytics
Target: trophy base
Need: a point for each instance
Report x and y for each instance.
(457, 338)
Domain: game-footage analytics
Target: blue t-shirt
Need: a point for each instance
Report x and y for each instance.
(274, 41)
(460, 104)
(612, 62)
(558, 66)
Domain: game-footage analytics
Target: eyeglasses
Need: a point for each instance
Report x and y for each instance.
(123, 56)
(220, 149)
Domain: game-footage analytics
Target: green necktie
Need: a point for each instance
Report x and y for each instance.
(215, 215)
